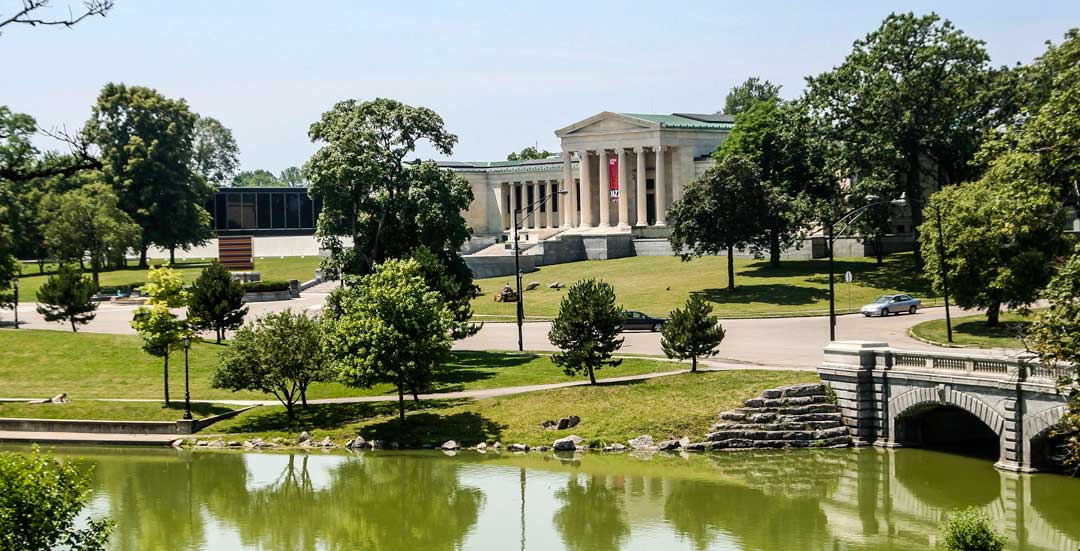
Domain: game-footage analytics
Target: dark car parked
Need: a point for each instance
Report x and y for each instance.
(637, 320)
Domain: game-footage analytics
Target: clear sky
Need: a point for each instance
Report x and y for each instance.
(503, 75)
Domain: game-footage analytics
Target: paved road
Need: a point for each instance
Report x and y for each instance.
(782, 342)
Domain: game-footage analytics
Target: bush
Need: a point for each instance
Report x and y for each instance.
(265, 286)
(970, 530)
(125, 287)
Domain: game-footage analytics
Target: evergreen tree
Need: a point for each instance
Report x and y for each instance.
(66, 296)
(587, 329)
(692, 332)
(216, 301)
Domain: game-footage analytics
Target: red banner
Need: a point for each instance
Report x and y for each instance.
(613, 176)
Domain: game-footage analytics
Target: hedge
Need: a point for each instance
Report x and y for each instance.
(265, 286)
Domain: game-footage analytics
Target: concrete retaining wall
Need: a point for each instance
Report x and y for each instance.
(178, 427)
(267, 296)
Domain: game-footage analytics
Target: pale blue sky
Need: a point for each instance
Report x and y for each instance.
(503, 76)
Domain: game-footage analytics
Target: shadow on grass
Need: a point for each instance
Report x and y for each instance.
(466, 428)
(769, 293)
(1005, 329)
(468, 367)
(199, 410)
(323, 416)
(898, 272)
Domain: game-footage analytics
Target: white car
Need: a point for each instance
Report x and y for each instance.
(891, 304)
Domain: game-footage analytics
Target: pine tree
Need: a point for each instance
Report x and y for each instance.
(587, 328)
(216, 301)
(692, 332)
(66, 296)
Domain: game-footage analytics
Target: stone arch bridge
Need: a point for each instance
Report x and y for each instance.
(893, 397)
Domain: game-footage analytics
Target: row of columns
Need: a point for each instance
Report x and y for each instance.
(539, 218)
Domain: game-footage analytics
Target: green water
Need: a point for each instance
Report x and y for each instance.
(804, 500)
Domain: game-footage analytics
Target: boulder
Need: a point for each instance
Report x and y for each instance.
(449, 445)
(549, 425)
(668, 445)
(532, 285)
(564, 423)
(564, 444)
(219, 443)
(555, 285)
(326, 442)
(572, 421)
(178, 443)
(378, 444)
(614, 447)
(543, 448)
(481, 447)
(518, 447)
(357, 443)
(643, 442)
(807, 389)
(684, 442)
(497, 446)
(304, 437)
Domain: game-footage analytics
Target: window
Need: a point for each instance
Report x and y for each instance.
(262, 210)
(541, 189)
(292, 211)
(248, 211)
(307, 212)
(277, 206)
(220, 212)
(235, 211)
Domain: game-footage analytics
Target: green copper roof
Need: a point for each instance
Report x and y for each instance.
(679, 121)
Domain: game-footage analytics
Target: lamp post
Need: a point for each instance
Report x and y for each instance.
(872, 201)
(527, 210)
(903, 200)
(187, 386)
(16, 307)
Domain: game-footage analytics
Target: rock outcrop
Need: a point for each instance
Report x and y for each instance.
(797, 416)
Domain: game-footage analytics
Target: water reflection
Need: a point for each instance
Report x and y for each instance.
(830, 499)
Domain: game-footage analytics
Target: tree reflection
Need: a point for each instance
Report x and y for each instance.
(592, 517)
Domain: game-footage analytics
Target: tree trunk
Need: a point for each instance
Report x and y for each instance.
(401, 405)
(41, 266)
(172, 255)
(592, 375)
(74, 328)
(82, 265)
(303, 396)
(914, 193)
(166, 379)
(218, 334)
(95, 269)
(142, 256)
(693, 364)
(731, 268)
(415, 396)
(289, 409)
(774, 248)
(878, 250)
(993, 314)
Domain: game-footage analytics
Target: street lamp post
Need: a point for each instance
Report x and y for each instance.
(187, 386)
(872, 201)
(16, 307)
(903, 200)
(527, 210)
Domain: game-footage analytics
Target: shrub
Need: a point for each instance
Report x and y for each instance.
(265, 286)
(970, 530)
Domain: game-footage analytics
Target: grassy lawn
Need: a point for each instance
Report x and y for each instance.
(42, 364)
(113, 411)
(676, 406)
(290, 267)
(972, 331)
(657, 284)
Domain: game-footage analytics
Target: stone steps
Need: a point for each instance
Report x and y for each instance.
(779, 425)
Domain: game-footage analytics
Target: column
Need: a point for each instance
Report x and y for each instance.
(552, 200)
(513, 208)
(661, 186)
(586, 190)
(500, 204)
(605, 185)
(568, 185)
(624, 190)
(642, 194)
(528, 191)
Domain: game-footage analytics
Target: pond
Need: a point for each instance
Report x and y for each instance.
(388, 500)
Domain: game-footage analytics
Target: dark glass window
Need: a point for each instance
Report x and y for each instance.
(541, 189)
(292, 211)
(236, 211)
(249, 211)
(277, 203)
(307, 212)
(220, 212)
(263, 210)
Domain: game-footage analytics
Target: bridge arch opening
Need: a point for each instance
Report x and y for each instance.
(947, 428)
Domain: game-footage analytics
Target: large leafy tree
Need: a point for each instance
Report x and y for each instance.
(907, 105)
(586, 331)
(42, 501)
(529, 153)
(256, 178)
(146, 143)
(9, 264)
(1001, 236)
(87, 222)
(788, 148)
(390, 327)
(67, 296)
(280, 353)
(214, 153)
(692, 332)
(216, 301)
(160, 329)
(293, 176)
(745, 95)
(720, 212)
(370, 194)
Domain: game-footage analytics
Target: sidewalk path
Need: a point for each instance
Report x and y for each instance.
(87, 438)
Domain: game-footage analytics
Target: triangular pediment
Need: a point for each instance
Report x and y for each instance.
(606, 123)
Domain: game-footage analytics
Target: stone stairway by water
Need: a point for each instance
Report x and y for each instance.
(797, 416)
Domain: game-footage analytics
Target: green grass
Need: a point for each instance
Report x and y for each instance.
(112, 411)
(290, 267)
(675, 406)
(973, 331)
(656, 285)
(42, 364)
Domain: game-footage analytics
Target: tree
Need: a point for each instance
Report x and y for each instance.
(692, 332)
(1002, 234)
(586, 331)
(67, 296)
(29, 14)
(907, 105)
(42, 500)
(87, 222)
(720, 212)
(160, 329)
(744, 96)
(444, 273)
(1056, 339)
(370, 194)
(293, 176)
(256, 178)
(529, 153)
(216, 301)
(784, 143)
(215, 155)
(146, 143)
(280, 353)
(390, 327)
(9, 265)
(970, 530)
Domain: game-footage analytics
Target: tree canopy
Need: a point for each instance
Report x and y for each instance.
(215, 156)
(160, 329)
(67, 296)
(586, 331)
(529, 153)
(742, 97)
(216, 301)
(692, 332)
(256, 178)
